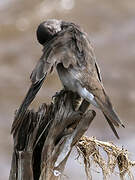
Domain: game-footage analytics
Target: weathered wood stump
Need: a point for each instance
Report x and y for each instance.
(43, 142)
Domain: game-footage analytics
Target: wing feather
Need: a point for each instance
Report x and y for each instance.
(60, 50)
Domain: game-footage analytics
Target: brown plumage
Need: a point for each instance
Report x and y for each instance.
(66, 47)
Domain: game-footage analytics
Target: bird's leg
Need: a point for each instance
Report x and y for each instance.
(58, 93)
(76, 99)
(84, 106)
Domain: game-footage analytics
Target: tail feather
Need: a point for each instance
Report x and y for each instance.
(109, 112)
(110, 115)
(112, 127)
(102, 102)
(26, 102)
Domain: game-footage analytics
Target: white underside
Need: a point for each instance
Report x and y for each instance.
(71, 83)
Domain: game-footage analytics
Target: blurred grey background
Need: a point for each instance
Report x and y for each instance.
(111, 27)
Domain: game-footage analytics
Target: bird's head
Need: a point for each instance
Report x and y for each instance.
(47, 30)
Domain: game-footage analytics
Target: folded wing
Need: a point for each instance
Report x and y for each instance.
(55, 51)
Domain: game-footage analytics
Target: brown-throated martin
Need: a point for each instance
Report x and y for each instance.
(66, 47)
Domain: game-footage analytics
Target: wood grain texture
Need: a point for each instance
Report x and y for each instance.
(43, 142)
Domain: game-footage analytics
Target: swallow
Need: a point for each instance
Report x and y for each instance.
(67, 48)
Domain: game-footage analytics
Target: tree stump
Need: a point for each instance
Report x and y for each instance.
(43, 142)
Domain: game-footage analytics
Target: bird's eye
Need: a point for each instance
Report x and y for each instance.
(50, 30)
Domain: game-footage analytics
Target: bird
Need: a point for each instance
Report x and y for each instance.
(66, 47)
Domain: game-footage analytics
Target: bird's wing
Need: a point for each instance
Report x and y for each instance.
(56, 51)
(108, 120)
(60, 53)
(66, 48)
(95, 86)
(98, 72)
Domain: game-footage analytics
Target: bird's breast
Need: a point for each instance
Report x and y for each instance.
(67, 78)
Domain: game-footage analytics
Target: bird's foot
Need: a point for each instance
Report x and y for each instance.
(57, 94)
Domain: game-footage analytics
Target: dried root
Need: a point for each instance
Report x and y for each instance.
(90, 148)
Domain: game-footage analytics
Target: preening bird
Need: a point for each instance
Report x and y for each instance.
(67, 47)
